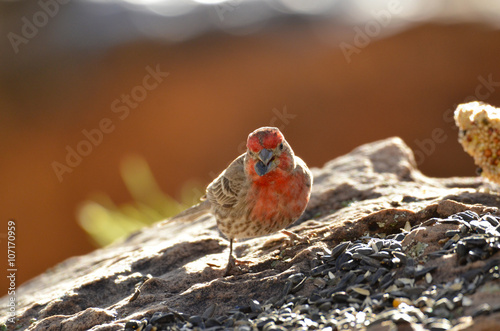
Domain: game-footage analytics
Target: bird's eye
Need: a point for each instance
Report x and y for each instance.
(281, 146)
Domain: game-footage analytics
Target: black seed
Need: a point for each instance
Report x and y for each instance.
(314, 298)
(474, 241)
(396, 245)
(431, 221)
(349, 265)
(467, 215)
(413, 292)
(365, 250)
(422, 272)
(340, 297)
(476, 225)
(196, 320)
(325, 306)
(451, 233)
(359, 279)
(386, 278)
(339, 249)
(462, 250)
(379, 244)
(296, 278)
(368, 268)
(352, 249)
(491, 219)
(317, 271)
(212, 322)
(386, 284)
(377, 275)
(255, 306)
(162, 318)
(348, 277)
(366, 259)
(299, 286)
(381, 255)
(343, 258)
(400, 237)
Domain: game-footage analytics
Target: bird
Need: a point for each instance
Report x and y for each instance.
(261, 192)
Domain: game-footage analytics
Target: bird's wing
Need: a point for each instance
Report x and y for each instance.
(225, 189)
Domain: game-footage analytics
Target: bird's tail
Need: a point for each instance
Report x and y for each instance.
(192, 213)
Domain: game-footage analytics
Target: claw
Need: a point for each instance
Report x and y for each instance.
(296, 237)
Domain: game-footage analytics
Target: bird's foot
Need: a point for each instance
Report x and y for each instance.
(295, 237)
(293, 240)
(230, 266)
(234, 265)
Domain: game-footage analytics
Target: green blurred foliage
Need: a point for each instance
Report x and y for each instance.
(106, 222)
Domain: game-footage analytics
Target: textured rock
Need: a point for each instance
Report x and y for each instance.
(479, 134)
(179, 267)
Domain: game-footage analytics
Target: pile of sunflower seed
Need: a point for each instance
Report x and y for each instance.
(365, 283)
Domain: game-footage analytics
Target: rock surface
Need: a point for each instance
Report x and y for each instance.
(375, 189)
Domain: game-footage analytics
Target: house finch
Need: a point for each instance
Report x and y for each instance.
(263, 191)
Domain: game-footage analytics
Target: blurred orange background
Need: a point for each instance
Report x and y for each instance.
(232, 67)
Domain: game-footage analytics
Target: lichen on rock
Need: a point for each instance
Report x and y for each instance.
(479, 134)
